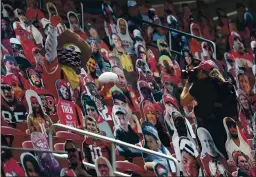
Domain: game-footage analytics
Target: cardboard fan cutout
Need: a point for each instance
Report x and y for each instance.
(230, 62)
(26, 25)
(123, 33)
(69, 113)
(94, 148)
(233, 136)
(152, 62)
(163, 48)
(74, 25)
(182, 127)
(146, 75)
(103, 167)
(46, 160)
(12, 110)
(51, 9)
(110, 20)
(213, 162)
(8, 12)
(119, 99)
(138, 38)
(120, 51)
(26, 40)
(55, 18)
(27, 158)
(37, 84)
(170, 70)
(149, 113)
(90, 109)
(242, 58)
(60, 64)
(141, 52)
(194, 44)
(189, 157)
(37, 119)
(245, 113)
(151, 135)
(124, 132)
(16, 47)
(7, 33)
(93, 92)
(10, 166)
(94, 35)
(208, 52)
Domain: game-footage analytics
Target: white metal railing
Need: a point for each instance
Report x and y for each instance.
(113, 142)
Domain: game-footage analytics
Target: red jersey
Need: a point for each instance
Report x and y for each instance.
(95, 148)
(150, 80)
(31, 13)
(243, 60)
(83, 35)
(69, 114)
(215, 166)
(12, 168)
(14, 112)
(26, 40)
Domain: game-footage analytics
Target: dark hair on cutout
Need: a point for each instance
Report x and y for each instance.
(34, 162)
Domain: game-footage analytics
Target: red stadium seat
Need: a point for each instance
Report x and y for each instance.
(69, 136)
(59, 146)
(124, 166)
(5, 130)
(65, 135)
(27, 144)
(138, 161)
(22, 126)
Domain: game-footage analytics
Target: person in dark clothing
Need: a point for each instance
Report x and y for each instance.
(216, 100)
(125, 133)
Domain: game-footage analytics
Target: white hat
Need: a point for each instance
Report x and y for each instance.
(253, 45)
(131, 3)
(137, 33)
(45, 22)
(14, 41)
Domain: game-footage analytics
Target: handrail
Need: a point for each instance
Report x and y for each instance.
(172, 51)
(113, 142)
(180, 32)
(31, 149)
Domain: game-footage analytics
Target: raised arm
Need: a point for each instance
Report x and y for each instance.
(51, 44)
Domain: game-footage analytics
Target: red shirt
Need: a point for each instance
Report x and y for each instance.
(69, 114)
(31, 13)
(12, 168)
(95, 148)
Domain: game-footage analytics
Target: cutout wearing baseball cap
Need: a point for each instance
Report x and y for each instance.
(229, 57)
(233, 36)
(206, 66)
(9, 58)
(170, 99)
(149, 129)
(119, 110)
(143, 84)
(116, 93)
